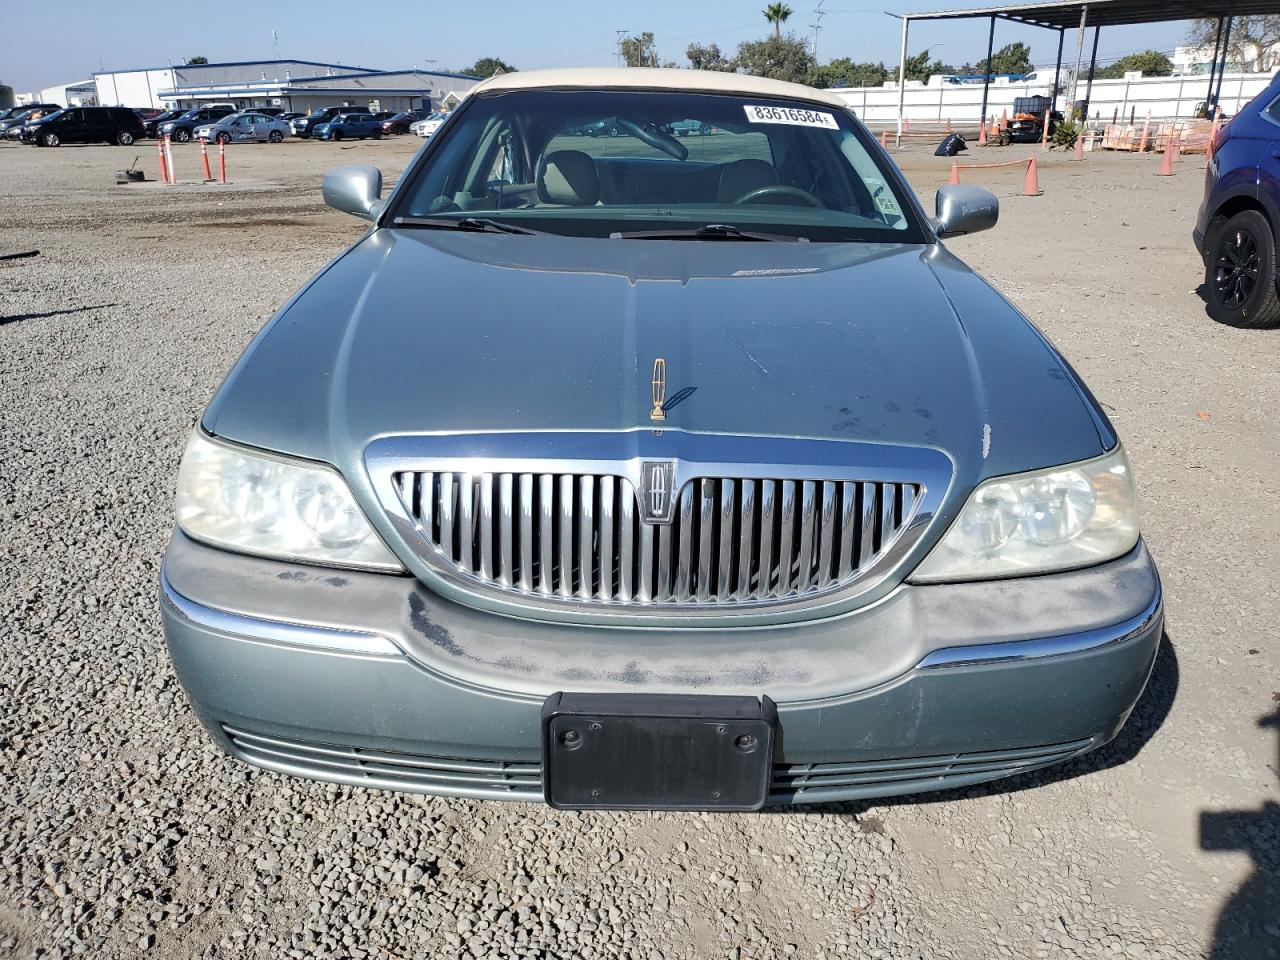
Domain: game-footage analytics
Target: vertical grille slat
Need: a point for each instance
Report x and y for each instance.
(580, 537)
(606, 554)
(546, 534)
(526, 532)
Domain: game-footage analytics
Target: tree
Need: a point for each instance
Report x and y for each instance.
(1011, 58)
(707, 57)
(639, 51)
(194, 60)
(843, 72)
(920, 67)
(1152, 63)
(781, 58)
(488, 67)
(1253, 39)
(777, 14)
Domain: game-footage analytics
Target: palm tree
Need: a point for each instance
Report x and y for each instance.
(776, 13)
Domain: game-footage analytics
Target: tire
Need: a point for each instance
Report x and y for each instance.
(181, 135)
(50, 139)
(377, 134)
(124, 138)
(1240, 278)
(275, 136)
(336, 135)
(223, 138)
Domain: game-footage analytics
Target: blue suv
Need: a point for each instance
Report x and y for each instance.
(1236, 229)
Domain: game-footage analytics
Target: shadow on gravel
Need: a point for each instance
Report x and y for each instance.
(53, 313)
(1248, 927)
(1148, 716)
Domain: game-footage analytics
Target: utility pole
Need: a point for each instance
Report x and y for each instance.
(621, 35)
(818, 14)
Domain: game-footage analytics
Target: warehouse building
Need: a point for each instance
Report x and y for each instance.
(296, 85)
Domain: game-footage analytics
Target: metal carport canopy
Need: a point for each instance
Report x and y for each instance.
(1091, 13)
(1108, 13)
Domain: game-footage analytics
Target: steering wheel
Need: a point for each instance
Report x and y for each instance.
(780, 190)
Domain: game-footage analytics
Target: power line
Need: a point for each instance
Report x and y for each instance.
(818, 14)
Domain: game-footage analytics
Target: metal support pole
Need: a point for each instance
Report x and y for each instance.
(986, 75)
(1075, 74)
(1213, 69)
(1057, 70)
(1226, 52)
(902, 78)
(1093, 62)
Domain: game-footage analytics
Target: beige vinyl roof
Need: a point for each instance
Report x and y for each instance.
(645, 78)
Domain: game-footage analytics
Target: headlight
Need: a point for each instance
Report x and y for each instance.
(1057, 519)
(274, 506)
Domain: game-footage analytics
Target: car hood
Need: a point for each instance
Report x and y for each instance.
(421, 331)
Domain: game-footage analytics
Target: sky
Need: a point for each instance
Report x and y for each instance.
(397, 34)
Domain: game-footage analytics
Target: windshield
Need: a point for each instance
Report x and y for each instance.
(600, 163)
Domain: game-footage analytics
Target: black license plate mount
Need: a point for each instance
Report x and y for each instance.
(617, 751)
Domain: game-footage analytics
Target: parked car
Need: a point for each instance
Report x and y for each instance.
(267, 111)
(399, 123)
(1234, 232)
(428, 125)
(147, 113)
(183, 128)
(151, 126)
(244, 126)
(290, 117)
(11, 126)
(303, 126)
(118, 125)
(381, 115)
(687, 513)
(349, 126)
(687, 128)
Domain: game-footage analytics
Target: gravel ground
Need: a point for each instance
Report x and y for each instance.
(123, 830)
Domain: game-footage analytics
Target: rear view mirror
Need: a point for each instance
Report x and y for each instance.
(355, 189)
(959, 209)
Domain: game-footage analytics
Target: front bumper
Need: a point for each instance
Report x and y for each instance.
(370, 679)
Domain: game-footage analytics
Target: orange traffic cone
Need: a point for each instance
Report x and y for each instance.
(955, 173)
(948, 124)
(1031, 184)
(906, 125)
(1004, 121)
(1166, 164)
(1079, 151)
(884, 139)
(204, 156)
(982, 133)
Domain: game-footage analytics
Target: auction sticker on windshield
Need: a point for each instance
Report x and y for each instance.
(759, 113)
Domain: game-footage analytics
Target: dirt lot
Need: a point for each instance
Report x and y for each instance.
(122, 829)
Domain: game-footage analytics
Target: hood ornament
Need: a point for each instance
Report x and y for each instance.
(659, 389)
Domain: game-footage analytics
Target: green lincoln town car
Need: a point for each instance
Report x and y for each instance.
(656, 471)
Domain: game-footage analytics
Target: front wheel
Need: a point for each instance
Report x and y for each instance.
(223, 138)
(377, 134)
(50, 139)
(275, 136)
(336, 135)
(124, 138)
(1240, 278)
(180, 135)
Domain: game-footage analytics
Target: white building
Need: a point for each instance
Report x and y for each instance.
(1248, 57)
(82, 93)
(301, 85)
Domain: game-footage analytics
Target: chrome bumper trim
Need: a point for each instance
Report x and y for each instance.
(276, 631)
(1013, 651)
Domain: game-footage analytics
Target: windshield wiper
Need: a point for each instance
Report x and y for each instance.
(712, 231)
(476, 224)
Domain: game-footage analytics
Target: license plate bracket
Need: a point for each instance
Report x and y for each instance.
(617, 751)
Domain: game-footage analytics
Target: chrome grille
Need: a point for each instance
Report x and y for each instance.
(579, 538)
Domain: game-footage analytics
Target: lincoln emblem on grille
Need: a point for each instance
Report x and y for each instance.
(659, 389)
(657, 493)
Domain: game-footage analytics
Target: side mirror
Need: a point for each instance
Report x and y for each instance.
(356, 189)
(959, 210)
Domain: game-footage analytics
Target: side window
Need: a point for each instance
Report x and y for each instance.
(1273, 111)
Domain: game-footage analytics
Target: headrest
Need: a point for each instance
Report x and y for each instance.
(742, 176)
(569, 177)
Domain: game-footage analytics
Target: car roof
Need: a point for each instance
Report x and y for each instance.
(650, 78)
